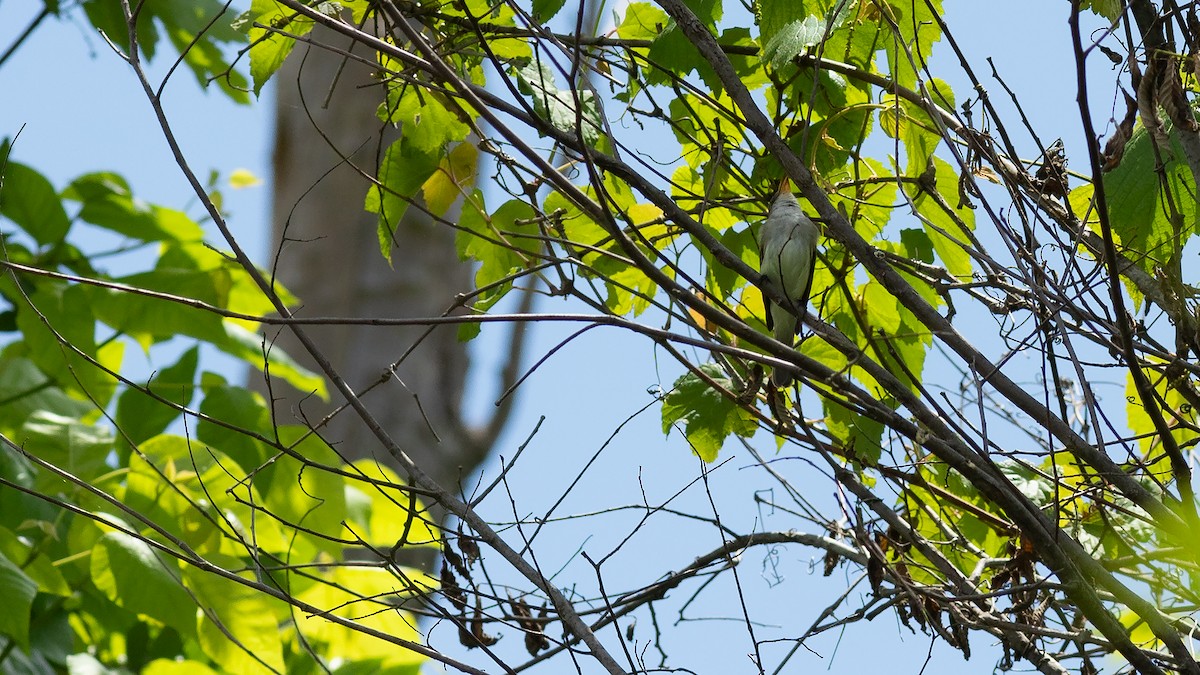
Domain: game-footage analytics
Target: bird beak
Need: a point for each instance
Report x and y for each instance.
(785, 186)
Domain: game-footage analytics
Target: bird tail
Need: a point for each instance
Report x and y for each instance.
(781, 379)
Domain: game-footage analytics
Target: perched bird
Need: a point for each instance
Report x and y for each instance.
(787, 247)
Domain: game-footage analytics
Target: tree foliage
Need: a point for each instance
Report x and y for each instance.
(967, 306)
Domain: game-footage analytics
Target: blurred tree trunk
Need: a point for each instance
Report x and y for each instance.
(326, 251)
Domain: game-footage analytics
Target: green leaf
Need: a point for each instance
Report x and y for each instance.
(698, 118)
(247, 638)
(501, 242)
(131, 574)
(572, 110)
(708, 416)
(946, 220)
(1034, 484)
(789, 28)
(774, 16)
(918, 29)
(35, 563)
(149, 320)
(674, 55)
(907, 122)
(1139, 208)
(749, 68)
(68, 312)
(917, 244)
(250, 347)
(544, 10)
(454, 176)
(199, 494)
(28, 199)
(402, 172)
(355, 593)
(792, 40)
(240, 409)
(642, 21)
(235, 289)
(18, 591)
(78, 448)
(19, 510)
(880, 307)
(381, 512)
(108, 202)
(173, 667)
(719, 279)
(1174, 407)
(427, 122)
(630, 290)
(859, 438)
(24, 389)
(199, 30)
(313, 499)
(196, 273)
(269, 48)
(1109, 9)
(140, 415)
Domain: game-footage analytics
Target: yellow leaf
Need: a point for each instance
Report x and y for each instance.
(641, 214)
(243, 178)
(455, 172)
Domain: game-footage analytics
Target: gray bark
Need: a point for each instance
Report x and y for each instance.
(326, 251)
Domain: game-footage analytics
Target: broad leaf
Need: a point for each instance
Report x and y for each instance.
(241, 629)
(28, 199)
(141, 415)
(133, 575)
(108, 202)
(404, 169)
(708, 417)
(18, 591)
(572, 110)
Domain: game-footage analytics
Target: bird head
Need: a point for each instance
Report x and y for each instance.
(784, 197)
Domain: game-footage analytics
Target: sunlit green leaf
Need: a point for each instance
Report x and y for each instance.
(107, 201)
(363, 594)
(454, 176)
(859, 437)
(502, 242)
(28, 199)
(946, 219)
(240, 630)
(1140, 211)
(239, 409)
(133, 575)
(426, 119)
(402, 172)
(385, 515)
(917, 29)
(312, 499)
(268, 21)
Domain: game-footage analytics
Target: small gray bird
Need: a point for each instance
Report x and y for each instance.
(787, 247)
